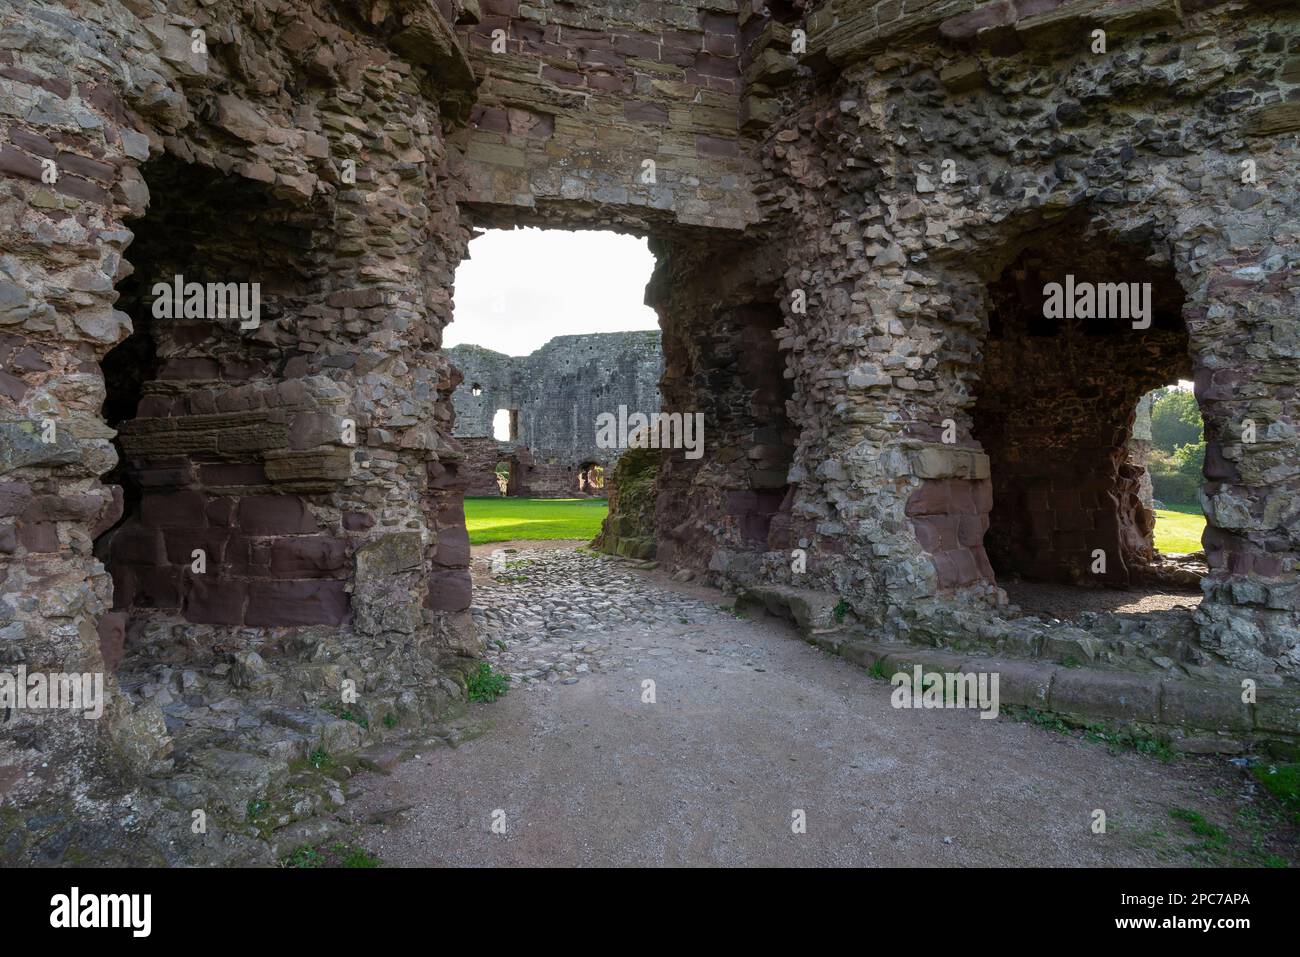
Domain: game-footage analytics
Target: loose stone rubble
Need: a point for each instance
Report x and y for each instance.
(855, 205)
(544, 613)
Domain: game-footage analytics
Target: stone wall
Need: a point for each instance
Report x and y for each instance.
(555, 395)
(898, 263)
(579, 96)
(304, 455)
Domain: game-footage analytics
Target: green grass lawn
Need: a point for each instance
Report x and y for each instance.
(1178, 528)
(504, 519)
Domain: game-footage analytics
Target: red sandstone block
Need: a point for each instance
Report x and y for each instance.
(14, 497)
(154, 407)
(723, 23)
(449, 591)
(444, 476)
(451, 510)
(724, 46)
(8, 538)
(716, 146)
(965, 26)
(156, 587)
(174, 509)
(945, 570)
(60, 88)
(1078, 520)
(311, 557)
(453, 547)
(162, 476)
(79, 188)
(982, 561)
(676, 57)
(739, 503)
(984, 495)
(82, 507)
(225, 474)
(236, 559)
(963, 497)
(707, 64)
(275, 515)
(112, 638)
(490, 118)
(609, 82)
(135, 545)
(110, 514)
(12, 387)
(932, 497)
(181, 543)
(562, 77)
(89, 168)
(190, 333)
(1065, 499)
(311, 602)
(499, 8)
(210, 600)
(1036, 500)
(17, 163)
(242, 369)
(964, 566)
(357, 521)
(198, 367)
(40, 537)
(971, 529)
(123, 586)
(646, 112)
(220, 511)
(640, 45)
(927, 535)
(532, 33)
(1027, 8)
(1069, 541)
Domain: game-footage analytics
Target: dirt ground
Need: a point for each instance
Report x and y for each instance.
(751, 726)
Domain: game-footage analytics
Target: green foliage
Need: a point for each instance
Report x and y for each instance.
(320, 760)
(1175, 421)
(1175, 478)
(504, 519)
(840, 611)
(1215, 839)
(484, 684)
(1283, 782)
(338, 854)
(341, 712)
(1190, 459)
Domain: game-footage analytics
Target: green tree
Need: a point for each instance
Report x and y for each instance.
(1175, 421)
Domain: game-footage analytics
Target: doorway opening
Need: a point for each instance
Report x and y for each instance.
(1080, 328)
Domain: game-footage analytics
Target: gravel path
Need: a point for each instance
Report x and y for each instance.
(750, 725)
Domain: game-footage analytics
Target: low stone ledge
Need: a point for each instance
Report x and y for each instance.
(810, 610)
(1198, 716)
(1088, 692)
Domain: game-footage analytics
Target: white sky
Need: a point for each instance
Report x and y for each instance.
(522, 287)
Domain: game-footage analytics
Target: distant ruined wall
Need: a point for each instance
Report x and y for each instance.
(556, 394)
